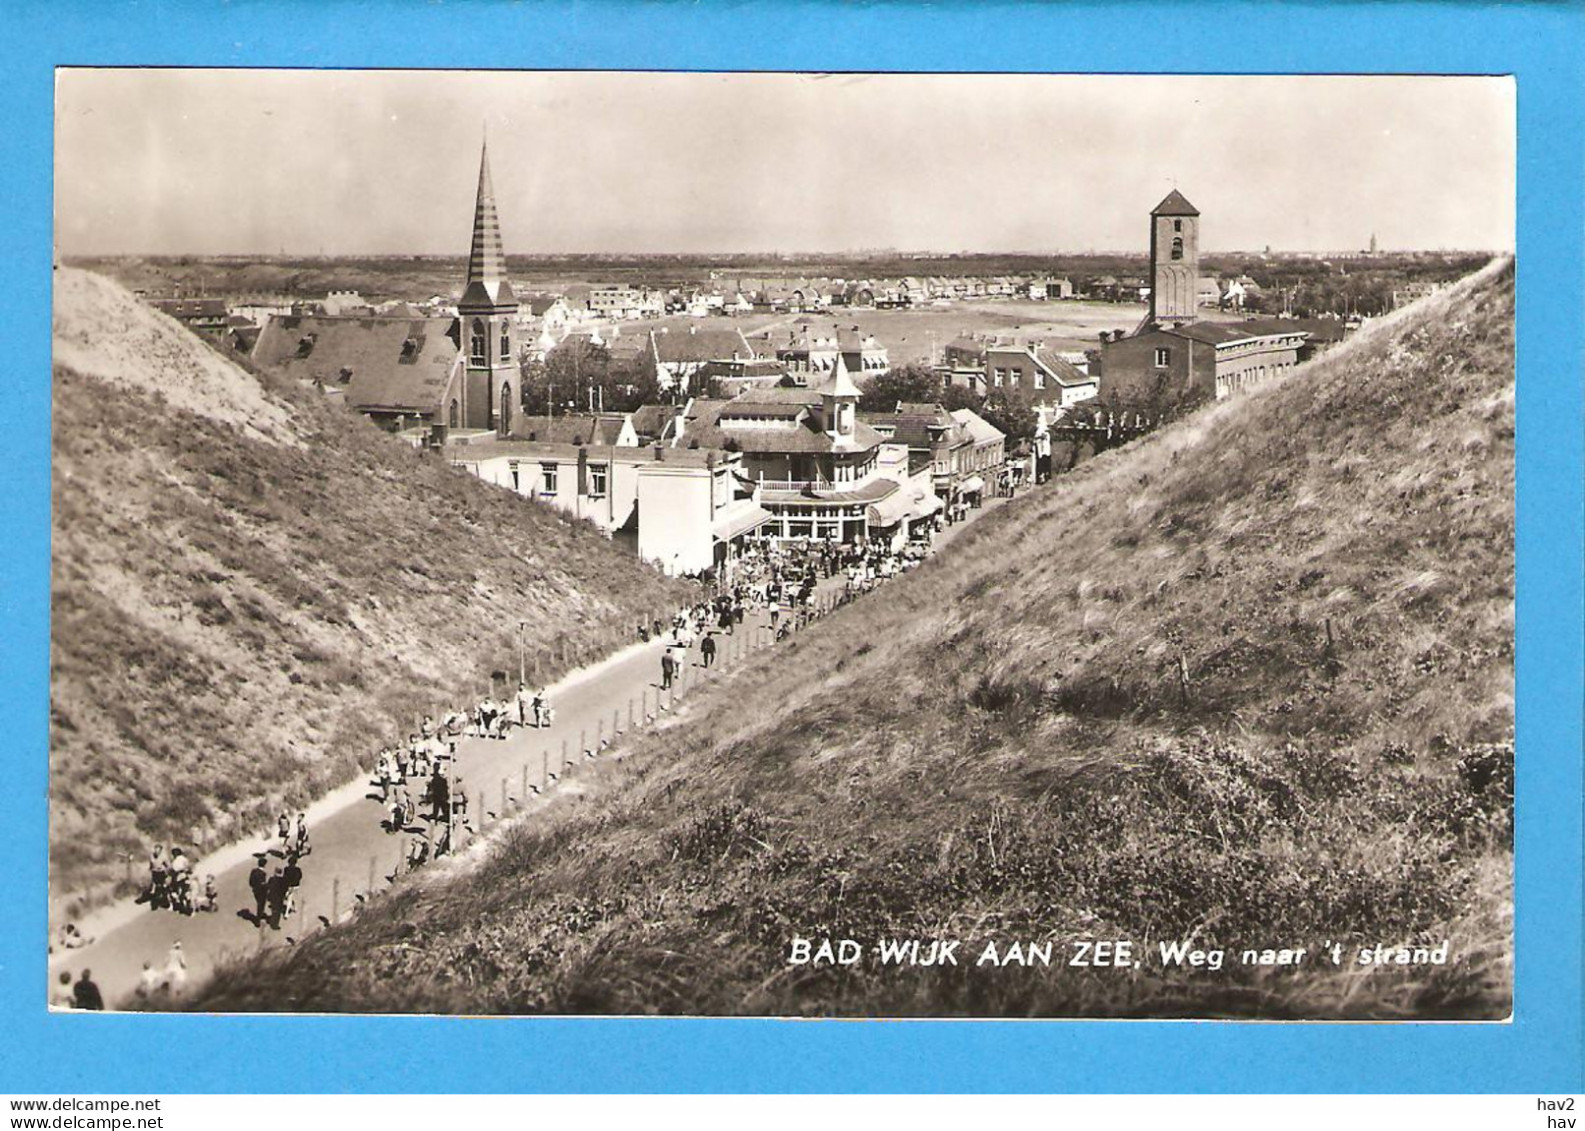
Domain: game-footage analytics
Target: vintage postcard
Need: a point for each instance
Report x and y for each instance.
(859, 545)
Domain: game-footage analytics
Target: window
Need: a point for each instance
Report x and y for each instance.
(1177, 225)
(547, 478)
(506, 344)
(597, 482)
(1001, 375)
(1177, 247)
(477, 350)
(1013, 376)
(1163, 357)
(1040, 379)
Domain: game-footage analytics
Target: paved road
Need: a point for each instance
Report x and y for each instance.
(347, 838)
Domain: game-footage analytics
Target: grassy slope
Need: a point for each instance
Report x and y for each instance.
(998, 746)
(239, 619)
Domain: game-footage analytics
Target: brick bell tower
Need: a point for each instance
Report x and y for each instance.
(492, 379)
(1174, 261)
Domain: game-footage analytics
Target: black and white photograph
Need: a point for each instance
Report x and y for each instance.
(773, 544)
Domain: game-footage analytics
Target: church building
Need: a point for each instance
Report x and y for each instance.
(1173, 358)
(462, 373)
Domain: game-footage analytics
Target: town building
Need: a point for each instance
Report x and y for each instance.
(206, 316)
(821, 472)
(600, 429)
(981, 460)
(1197, 361)
(1038, 371)
(339, 304)
(959, 450)
(625, 302)
(680, 358)
(685, 511)
(811, 352)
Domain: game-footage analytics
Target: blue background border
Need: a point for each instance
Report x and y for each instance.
(1540, 1051)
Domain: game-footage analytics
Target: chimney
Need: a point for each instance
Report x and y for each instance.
(660, 453)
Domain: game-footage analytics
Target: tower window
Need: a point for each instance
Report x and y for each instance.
(1177, 247)
(477, 350)
(506, 345)
(1177, 225)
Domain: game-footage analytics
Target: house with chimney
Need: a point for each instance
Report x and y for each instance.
(680, 357)
(811, 351)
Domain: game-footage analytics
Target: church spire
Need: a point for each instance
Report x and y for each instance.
(487, 284)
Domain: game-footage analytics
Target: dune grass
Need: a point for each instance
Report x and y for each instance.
(1247, 682)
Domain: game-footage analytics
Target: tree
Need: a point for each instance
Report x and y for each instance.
(1011, 411)
(578, 373)
(954, 397)
(912, 383)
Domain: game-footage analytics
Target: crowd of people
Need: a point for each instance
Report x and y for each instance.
(174, 885)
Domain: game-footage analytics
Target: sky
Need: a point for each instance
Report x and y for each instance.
(305, 162)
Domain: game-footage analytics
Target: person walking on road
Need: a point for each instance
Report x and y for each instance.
(668, 668)
(85, 994)
(292, 874)
(176, 970)
(276, 892)
(150, 982)
(707, 650)
(259, 885)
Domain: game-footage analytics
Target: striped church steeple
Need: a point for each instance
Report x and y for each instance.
(487, 288)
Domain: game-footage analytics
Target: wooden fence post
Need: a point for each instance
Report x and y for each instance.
(374, 868)
(335, 899)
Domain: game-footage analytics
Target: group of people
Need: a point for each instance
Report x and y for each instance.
(155, 983)
(422, 773)
(173, 884)
(274, 892)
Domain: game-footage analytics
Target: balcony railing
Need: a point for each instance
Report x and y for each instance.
(794, 484)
